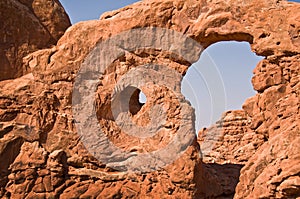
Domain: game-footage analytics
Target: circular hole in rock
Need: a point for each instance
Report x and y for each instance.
(142, 98)
(137, 100)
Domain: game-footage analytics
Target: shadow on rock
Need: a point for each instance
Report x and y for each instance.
(220, 180)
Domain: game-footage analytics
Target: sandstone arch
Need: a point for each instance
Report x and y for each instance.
(43, 99)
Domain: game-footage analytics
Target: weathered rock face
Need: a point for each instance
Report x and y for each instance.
(273, 171)
(231, 140)
(226, 147)
(44, 157)
(27, 26)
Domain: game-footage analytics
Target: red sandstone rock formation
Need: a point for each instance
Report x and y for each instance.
(27, 26)
(231, 140)
(42, 155)
(226, 147)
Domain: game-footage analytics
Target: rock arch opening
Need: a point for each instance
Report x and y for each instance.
(231, 63)
(142, 98)
(135, 102)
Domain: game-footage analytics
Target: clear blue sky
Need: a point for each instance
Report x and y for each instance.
(233, 61)
(81, 10)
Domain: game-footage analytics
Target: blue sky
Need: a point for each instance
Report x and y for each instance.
(80, 10)
(232, 62)
(211, 95)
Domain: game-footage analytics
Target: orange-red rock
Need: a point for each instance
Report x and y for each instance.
(44, 157)
(26, 26)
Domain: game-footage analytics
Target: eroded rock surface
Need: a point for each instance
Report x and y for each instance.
(27, 26)
(226, 147)
(44, 156)
(230, 140)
